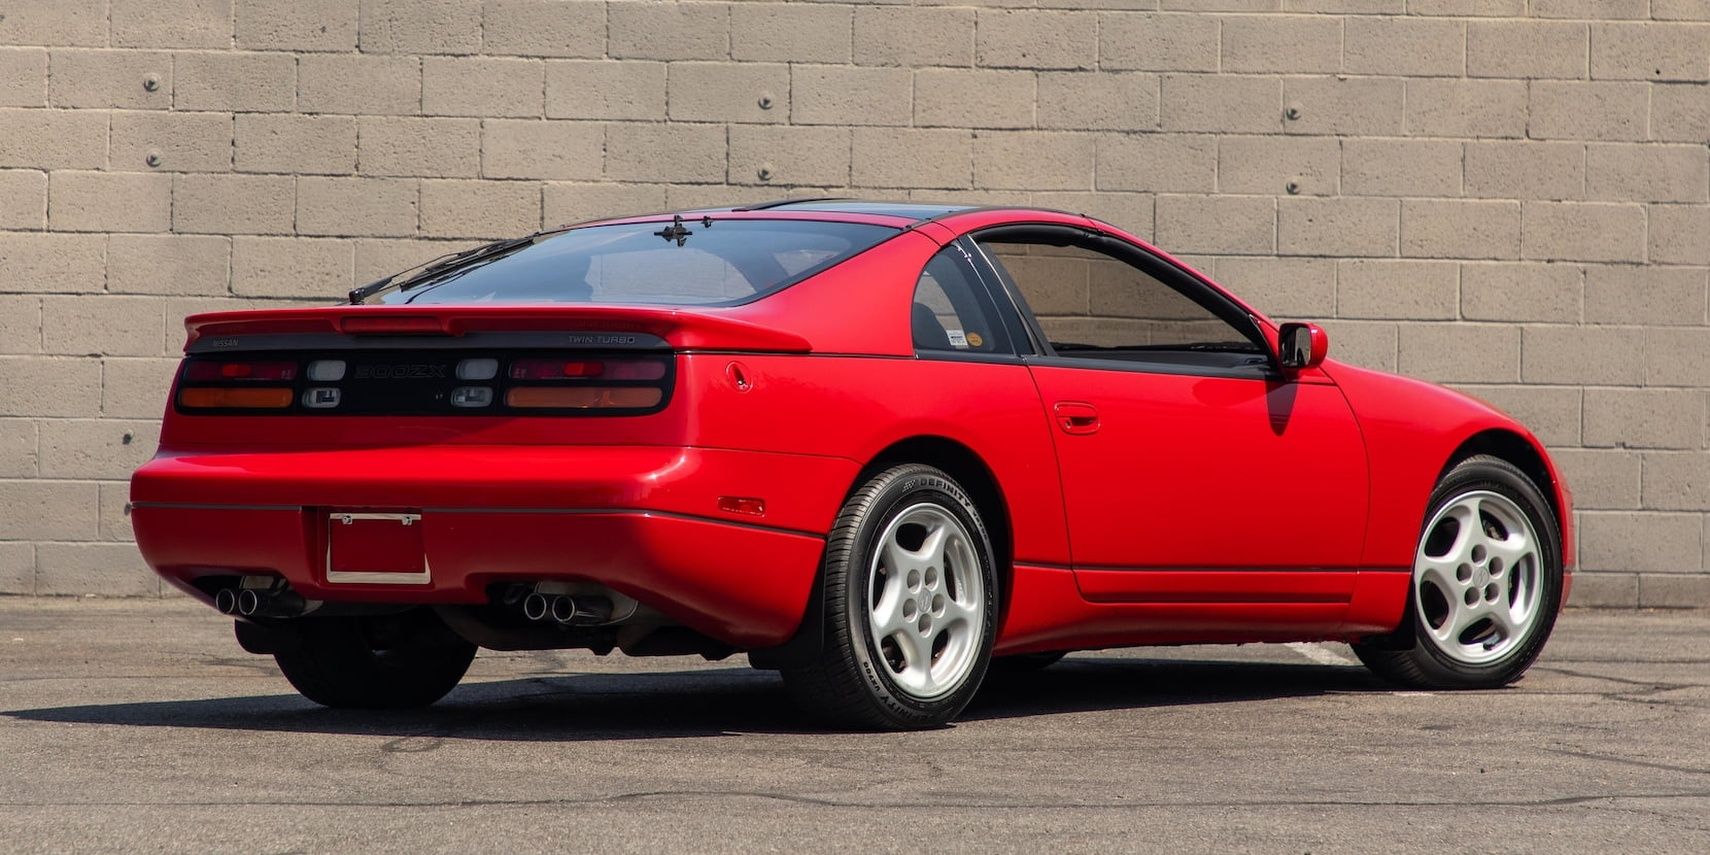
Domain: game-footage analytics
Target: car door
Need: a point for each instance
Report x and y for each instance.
(1192, 470)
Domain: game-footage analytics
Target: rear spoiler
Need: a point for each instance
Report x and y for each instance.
(678, 329)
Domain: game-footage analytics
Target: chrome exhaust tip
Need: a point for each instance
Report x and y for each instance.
(226, 601)
(248, 602)
(535, 606)
(563, 609)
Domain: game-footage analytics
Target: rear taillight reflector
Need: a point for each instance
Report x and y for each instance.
(469, 397)
(584, 397)
(742, 505)
(322, 398)
(326, 370)
(235, 398)
(264, 372)
(477, 369)
(587, 369)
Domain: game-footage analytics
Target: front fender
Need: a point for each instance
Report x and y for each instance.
(1413, 431)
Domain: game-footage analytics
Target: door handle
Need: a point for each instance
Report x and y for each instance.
(1076, 417)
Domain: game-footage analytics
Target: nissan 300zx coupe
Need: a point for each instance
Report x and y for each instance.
(878, 447)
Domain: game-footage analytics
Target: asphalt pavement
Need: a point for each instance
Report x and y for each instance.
(140, 726)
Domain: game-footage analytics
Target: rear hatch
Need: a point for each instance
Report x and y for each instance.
(572, 336)
(497, 375)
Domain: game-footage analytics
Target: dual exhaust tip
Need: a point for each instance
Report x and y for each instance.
(563, 609)
(566, 609)
(250, 602)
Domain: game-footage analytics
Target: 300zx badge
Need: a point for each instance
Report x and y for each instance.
(406, 371)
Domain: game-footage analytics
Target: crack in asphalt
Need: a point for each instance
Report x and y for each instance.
(1629, 761)
(1651, 685)
(813, 801)
(1594, 661)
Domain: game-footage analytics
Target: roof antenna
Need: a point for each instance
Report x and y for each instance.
(676, 231)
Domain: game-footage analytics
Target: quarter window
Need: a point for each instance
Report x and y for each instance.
(951, 309)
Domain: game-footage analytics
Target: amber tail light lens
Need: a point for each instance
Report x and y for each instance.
(235, 398)
(584, 397)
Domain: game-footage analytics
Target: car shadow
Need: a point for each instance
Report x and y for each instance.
(713, 702)
(1090, 683)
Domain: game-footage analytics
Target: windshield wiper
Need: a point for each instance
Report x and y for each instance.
(452, 261)
(677, 232)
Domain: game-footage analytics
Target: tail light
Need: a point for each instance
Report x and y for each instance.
(574, 369)
(584, 397)
(574, 382)
(235, 398)
(238, 384)
(258, 372)
(427, 382)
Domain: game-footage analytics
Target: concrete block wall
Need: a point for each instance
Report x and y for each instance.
(1510, 196)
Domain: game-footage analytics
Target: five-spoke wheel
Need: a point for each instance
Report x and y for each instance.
(928, 600)
(1486, 585)
(1476, 577)
(910, 598)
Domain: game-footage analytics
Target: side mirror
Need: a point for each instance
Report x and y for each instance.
(1302, 345)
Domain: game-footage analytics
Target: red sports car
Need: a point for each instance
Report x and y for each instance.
(879, 447)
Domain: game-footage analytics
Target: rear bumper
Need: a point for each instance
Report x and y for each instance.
(641, 520)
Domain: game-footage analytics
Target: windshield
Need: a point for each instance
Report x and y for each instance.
(688, 263)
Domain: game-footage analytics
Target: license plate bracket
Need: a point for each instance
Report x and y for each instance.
(370, 548)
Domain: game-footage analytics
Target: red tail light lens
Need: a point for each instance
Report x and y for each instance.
(262, 372)
(587, 369)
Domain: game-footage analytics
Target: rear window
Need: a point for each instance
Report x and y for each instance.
(729, 261)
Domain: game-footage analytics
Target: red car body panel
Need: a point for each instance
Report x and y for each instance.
(1198, 512)
(1412, 430)
(688, 568)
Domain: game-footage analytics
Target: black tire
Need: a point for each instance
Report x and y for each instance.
(1027, 663)
(849, 682)
(1408, 658)
(393, 662)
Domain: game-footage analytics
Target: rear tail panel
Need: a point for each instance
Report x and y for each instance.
(545, 375)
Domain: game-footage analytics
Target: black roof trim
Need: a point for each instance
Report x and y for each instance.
(778, 203)
(974, 209)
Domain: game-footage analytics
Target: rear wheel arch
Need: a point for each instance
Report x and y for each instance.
(970, 470)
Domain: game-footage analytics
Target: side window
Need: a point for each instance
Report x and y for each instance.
(951, 309)
(1093, 305)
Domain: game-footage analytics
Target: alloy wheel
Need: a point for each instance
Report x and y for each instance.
(926, 601)
(1476, 577)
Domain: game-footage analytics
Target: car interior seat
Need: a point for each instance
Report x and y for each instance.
(928, 332)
